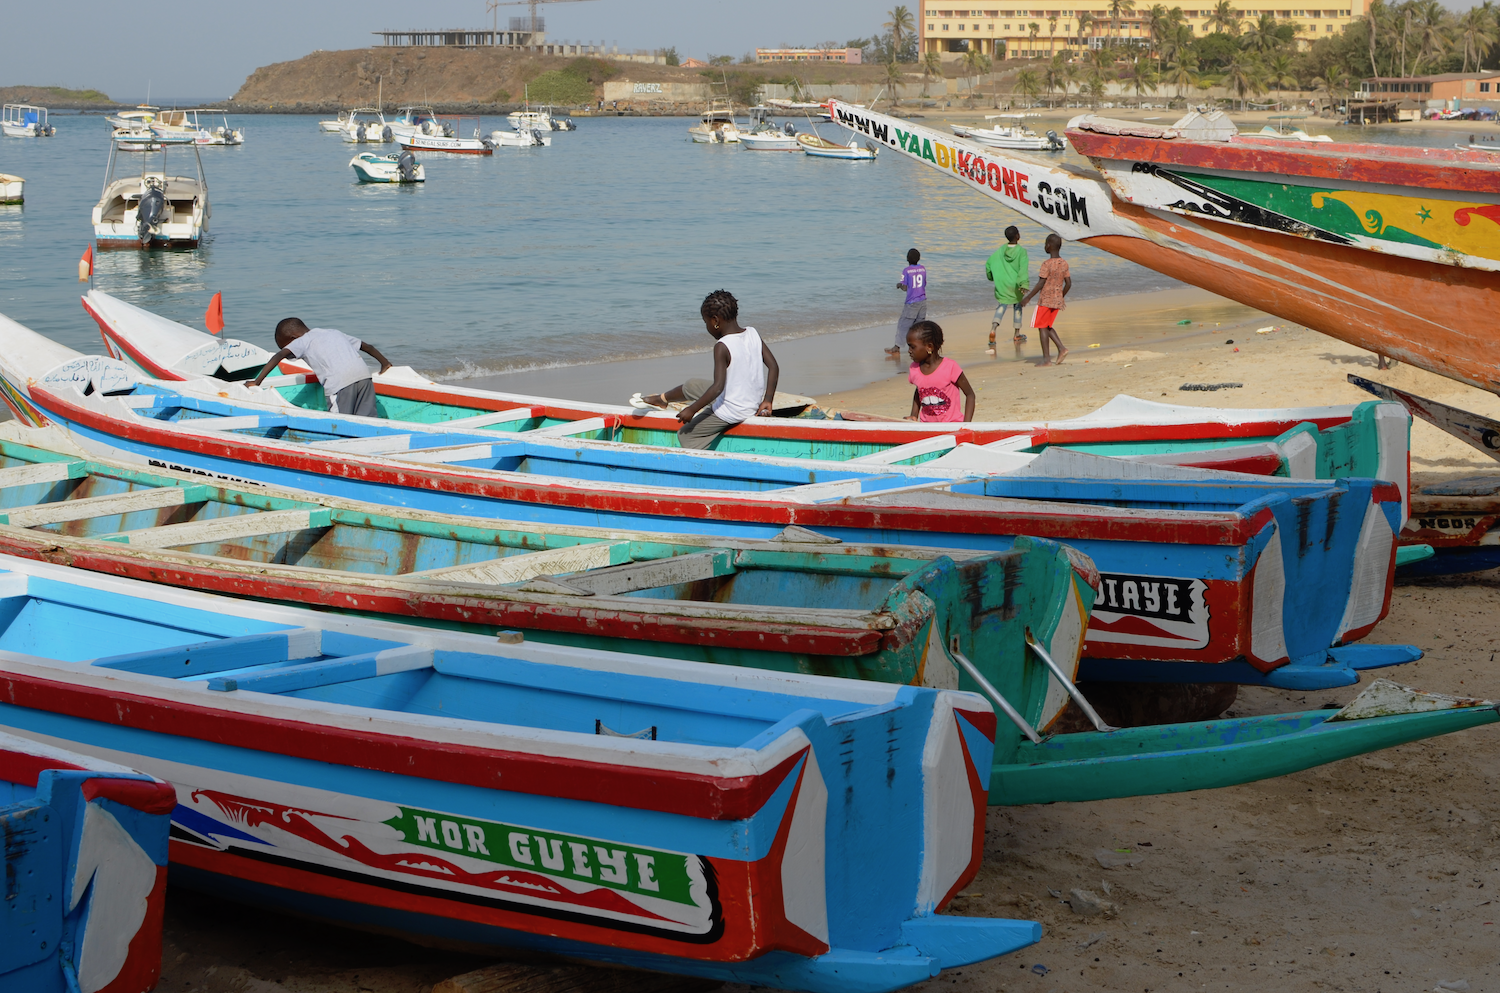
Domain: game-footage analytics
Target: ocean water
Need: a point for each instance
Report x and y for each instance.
(598, 248)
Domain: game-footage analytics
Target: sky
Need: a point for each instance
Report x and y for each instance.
(205, 50)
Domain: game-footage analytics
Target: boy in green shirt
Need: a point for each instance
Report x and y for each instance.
(1010, 270)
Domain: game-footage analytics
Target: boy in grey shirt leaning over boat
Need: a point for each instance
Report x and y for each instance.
(334, 357)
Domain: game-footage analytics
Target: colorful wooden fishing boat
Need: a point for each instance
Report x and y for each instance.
(85, 871)
(1186, 574)
(1391, 248)
(1457, 518)
(798, 604)
(780, 830)
(1365, 440)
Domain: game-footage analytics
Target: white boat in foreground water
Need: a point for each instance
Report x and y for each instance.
(12, 189)
(153, 209)
(373, 168)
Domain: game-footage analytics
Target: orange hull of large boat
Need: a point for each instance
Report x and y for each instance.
(1437, 317)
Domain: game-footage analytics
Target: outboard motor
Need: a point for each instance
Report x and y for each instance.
(1054, 141)
(788, 130)
(387, 134)
(359, 133)
(148, 212)
(406, 167)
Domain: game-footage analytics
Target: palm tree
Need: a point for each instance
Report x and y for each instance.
(1057, 72)
(976, 64)
(1142, 75)
(893, 78)
(1261, 35)
(1028, 84)
(1279, 73)
(901, 26)
(1376, 20)
(1101, 69)
(1243, 75)
(1119, 7)
(1433, 32)
(1177, 36)
(1183, 73)
(1085, 25)
(1225, 18)
(1477, 31)
(932, 68)
(1033, 29)
(1052, 33)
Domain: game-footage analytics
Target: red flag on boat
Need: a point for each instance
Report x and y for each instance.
(214, 316)
(86, 265)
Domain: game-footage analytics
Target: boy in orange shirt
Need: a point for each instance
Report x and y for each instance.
(1052, 284)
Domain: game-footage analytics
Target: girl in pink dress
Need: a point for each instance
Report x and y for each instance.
(938, 381)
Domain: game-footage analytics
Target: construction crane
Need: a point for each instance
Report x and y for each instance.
(495, 5)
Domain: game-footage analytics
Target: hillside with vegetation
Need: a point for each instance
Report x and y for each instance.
(56, 97)
(482, 80)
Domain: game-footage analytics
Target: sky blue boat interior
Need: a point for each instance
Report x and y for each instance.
(84, 625)
(665, 467)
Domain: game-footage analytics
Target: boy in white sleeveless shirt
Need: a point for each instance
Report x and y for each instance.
(745, 374)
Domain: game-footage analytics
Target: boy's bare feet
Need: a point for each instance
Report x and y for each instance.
(1062, 353)
(655, 399)
(991, 349)
(893, 351)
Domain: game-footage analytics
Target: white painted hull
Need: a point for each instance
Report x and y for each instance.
(769, 143)
(520, 139)
(25, 131)
(382, 169)
(711, 136)
(438, 143)
(12, 189)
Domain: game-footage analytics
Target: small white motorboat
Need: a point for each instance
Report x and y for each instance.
(533, 137)
(418, 119)
(820, 147)
(525, 120)
(176, 123)
(12, 189)
(452, 141)
(767, 137)
(141, 117)
(1017, 136)
(152, 209)
(367, 124)
(715, 127)
(370, 167)
(24, 120)
(335, 126)
(143, 139)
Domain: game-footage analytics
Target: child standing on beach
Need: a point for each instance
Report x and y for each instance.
(938, 381)
(745, 374)
(1053, 283)
(1010, 270)
(914, 282)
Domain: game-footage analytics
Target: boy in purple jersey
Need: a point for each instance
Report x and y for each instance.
(914, 282)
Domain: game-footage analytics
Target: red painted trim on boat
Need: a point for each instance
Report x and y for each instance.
(1381, 165)
(147, 797)
(152, 567)
(742, 906)
(25, 769)
(715, 507)
(692, 795)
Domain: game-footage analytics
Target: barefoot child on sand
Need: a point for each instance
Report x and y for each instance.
(938, 381)
(914, 282)
(745, 374)
(1053, 283)
(1010, 270)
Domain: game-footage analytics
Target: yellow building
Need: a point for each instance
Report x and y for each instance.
(952, 32)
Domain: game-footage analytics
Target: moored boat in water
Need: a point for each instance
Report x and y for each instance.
(12, 189)
(450, 139)
(372, 168)
(605, 807)
(821, 148)
(1014, 136)
(153, 209)
(24, 120)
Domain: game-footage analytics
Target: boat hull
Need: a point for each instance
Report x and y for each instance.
(1186, 590)
(12, 190)
(352, 800)
(437, 143)
(85, 871)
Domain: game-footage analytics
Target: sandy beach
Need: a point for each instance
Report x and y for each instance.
(1378, 873)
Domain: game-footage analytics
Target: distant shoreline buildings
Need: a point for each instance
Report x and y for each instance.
(950, 32)
(843, 56)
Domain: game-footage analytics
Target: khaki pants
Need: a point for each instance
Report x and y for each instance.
(705, 427)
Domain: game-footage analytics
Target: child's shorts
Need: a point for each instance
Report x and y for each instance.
(1044, 317)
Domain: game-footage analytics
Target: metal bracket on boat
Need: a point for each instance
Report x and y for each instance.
(1073, 691)
(601, 728)
(963, 663)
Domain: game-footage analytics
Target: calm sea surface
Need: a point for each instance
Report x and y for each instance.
(597, 248)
